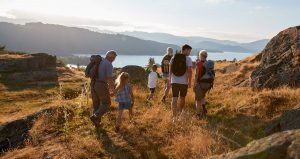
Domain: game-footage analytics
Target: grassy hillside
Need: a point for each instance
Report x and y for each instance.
(236, 115)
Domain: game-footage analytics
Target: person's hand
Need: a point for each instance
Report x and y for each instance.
(112, 94)
(169, 84)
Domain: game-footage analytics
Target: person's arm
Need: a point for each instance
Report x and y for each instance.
(115, 91)
(170, 69)
(190, 74)
(196, 75)
(111, 84)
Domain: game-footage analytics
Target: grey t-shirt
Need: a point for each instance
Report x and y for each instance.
(182, 79)
(105, 70)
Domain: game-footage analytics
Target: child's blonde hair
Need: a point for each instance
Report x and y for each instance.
(121, 79)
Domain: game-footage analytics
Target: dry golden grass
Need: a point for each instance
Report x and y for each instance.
(236, 116)
(13, 56)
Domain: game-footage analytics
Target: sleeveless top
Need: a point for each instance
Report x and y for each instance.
(124, 94)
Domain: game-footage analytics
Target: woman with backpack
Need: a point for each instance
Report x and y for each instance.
(204, 78)
(165, 69)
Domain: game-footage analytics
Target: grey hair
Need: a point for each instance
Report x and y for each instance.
(203, 53)
(169, 48)
(167, 51)
(111, 53)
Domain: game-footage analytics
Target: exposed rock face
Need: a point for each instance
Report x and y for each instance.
(28, 67)
(277, 146)
(27, 62)
(280, 61)
(13, 134)
(287, 121)
(137, 74)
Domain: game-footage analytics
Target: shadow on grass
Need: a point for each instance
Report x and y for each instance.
(147, 148)
(116, 152)
(239, 128)
(136, 144)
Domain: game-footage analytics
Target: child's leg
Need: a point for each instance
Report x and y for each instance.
(151, 93)
(119, 117)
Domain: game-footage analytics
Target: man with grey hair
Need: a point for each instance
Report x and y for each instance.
(102, 87)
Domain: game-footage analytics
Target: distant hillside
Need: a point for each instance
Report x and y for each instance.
(202, 42)
(62, 40)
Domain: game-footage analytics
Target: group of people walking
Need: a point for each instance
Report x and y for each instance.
(177, 71)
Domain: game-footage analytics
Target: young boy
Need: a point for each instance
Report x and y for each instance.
(152, 79)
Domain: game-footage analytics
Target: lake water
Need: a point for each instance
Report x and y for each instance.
(142, 60)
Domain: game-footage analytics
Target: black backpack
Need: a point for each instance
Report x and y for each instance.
(92, 68)
(178, 66)
(165, 64)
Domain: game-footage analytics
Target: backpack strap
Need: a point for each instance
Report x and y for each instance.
(201, 70)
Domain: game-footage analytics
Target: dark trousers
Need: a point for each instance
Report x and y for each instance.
(101, 98)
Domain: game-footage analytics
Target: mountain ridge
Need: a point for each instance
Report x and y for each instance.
(63, 40)
(197, 41)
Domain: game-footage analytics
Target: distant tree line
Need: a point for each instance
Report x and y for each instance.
(2, 47)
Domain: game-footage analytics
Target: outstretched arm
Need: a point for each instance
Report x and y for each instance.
(111, 84)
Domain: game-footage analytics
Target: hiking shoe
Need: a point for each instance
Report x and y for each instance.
(95, 121)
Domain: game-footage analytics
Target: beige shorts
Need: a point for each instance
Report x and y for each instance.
(201, 90)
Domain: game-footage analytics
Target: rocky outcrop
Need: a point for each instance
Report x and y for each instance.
(137, 74)
(28, 67)
(277, 146)
(280, 61)
(230, 68)
(287, 121)
(13, 134)
(26, 62)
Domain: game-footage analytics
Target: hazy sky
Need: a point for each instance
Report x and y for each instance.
(241, 20)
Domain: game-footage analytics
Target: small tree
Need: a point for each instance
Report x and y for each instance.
(234, 60)
(151, 62)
